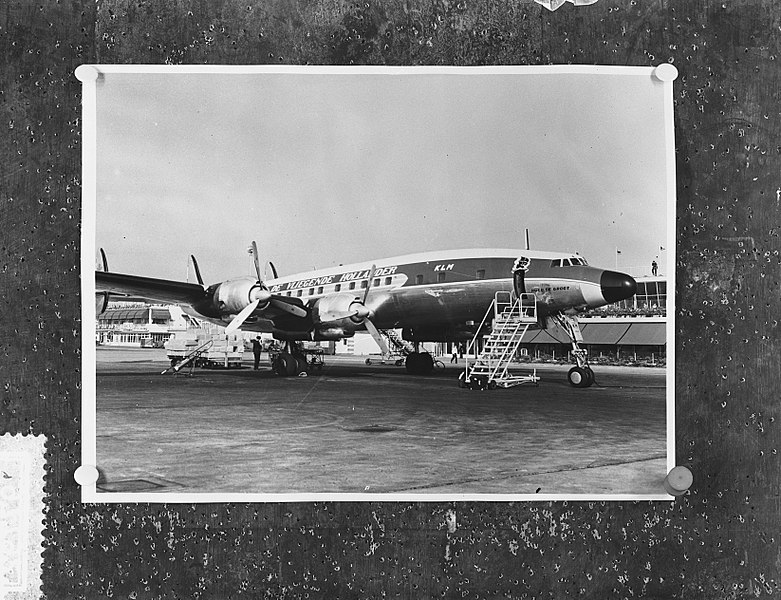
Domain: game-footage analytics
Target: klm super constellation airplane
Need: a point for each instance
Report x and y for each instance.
(432, 296)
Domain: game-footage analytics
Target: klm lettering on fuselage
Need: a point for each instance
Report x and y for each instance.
(444, 267)
(338, 278)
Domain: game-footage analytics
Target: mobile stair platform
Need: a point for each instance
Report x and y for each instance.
(488, 357)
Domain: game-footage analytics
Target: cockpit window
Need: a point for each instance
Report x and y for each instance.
(573, 261)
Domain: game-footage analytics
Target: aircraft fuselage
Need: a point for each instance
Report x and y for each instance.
(437, 296)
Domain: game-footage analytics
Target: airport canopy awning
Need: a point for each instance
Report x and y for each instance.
(552, 335)
(645, 334)
(126, 314)
(603, 333)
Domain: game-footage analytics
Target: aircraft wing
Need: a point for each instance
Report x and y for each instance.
(147, 288)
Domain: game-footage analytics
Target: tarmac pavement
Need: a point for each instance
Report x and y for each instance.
(358, 429)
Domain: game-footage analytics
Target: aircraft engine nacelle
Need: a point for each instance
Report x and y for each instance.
(232, 296)
(332, 333)
(101, 302)
(341, 311)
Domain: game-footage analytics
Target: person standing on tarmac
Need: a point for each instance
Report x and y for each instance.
(256, 350)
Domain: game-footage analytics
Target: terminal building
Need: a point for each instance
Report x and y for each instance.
(139, 324)
(634, 329)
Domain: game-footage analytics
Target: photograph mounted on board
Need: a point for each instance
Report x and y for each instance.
(317, 283)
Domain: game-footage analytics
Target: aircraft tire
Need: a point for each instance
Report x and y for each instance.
(276, 365)
(462, 380)
(591, 377)
(426, 364)
(285, 364)
(412, 363)
(579, 377)
(301, 365)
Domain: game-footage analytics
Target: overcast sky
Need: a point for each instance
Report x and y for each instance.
(329, 169)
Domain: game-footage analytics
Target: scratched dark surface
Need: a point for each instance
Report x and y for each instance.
(720, 541)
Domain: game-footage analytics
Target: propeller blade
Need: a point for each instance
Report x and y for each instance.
(368, 284)
(288, 307)
(372, 329)
(273, 270)
(256, 262)
(239, 319)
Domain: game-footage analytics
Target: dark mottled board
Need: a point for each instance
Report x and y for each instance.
(720, 541)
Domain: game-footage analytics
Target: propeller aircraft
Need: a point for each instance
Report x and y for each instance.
(434, 296)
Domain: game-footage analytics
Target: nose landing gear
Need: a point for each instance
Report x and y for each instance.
(580, 376)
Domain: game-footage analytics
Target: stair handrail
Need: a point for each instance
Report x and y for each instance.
(517, 325)
(473, 343)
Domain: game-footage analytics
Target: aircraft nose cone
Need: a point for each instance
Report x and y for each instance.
(617, 286)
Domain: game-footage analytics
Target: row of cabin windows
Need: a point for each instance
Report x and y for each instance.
(479, 274)
(338, 287)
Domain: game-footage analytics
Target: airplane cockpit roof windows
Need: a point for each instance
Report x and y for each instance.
(572, 261)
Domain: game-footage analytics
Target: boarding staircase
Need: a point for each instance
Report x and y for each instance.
(396, 344)
(511, 315)
(398, 348)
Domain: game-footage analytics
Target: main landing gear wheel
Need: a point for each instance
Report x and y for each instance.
(419, 363)
(580, 377)
(285, 364)
(301, 365)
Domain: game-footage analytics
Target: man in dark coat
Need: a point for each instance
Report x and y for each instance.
(256, 350)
